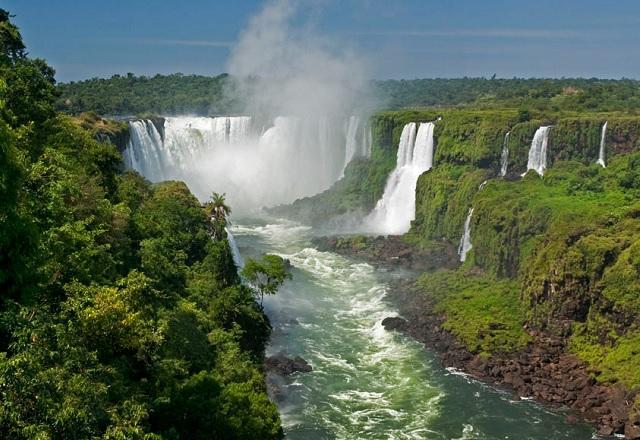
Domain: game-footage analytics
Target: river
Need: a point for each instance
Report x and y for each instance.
(368, 383)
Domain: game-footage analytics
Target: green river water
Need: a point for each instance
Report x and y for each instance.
(368, 383)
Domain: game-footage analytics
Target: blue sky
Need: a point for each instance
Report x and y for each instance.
(401, 39)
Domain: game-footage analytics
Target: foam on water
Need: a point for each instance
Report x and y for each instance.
(367, 382)
(363, 376)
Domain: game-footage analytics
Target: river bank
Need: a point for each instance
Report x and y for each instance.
(543, 370)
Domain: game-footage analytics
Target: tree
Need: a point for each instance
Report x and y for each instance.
(11, 45)
(266, 275)
(217, 210)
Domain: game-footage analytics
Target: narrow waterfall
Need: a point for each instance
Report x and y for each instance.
(538, 151)
(256, 166)
(504, 159)
(358, 141)
(351, 148)
(396, 209)
(367, 140)
(601, 154)
(235, 252)
(465, 241)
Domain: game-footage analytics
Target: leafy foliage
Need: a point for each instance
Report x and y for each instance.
(266, 275)
(121, 315)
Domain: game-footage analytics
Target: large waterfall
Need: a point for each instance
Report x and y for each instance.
(255, 165)
(465, 241)
(504, 158)
(601, 153)
(538, 151)
(396, 209)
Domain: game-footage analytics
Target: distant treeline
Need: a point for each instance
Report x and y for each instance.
(180, 94)
(133, 95)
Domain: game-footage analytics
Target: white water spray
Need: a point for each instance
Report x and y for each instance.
(601, 153)
(538, 151)
(293, 158)
(504, 159)
(396, 209)
(465, 241)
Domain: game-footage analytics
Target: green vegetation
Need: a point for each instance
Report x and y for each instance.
(193, 94)
(266, 275)
(542, 94)
(121, 312)
(161, 95)
(483, 312)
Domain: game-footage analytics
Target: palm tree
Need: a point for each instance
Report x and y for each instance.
(218, 211)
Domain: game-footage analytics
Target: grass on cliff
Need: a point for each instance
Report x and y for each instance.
(481, 311)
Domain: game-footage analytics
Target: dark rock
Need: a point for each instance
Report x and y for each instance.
(394, 323)
(285, 366)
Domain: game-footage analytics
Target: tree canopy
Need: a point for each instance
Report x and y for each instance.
(122, 316)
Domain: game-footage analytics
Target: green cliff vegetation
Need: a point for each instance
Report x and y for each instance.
(558, 251)
(121, 315)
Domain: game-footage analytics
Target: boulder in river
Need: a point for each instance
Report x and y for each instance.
(284, 366)
(394, 323)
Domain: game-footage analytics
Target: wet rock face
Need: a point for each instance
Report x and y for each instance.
(284, 366)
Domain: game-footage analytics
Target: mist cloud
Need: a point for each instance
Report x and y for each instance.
(288, 69)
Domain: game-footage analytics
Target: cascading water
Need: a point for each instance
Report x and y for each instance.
(504, 158)
(465, 241)
(144, 151)
(235, 252)
(538, 151)
(601, 153)
(396, 209)
(358, 141)
(294, 157)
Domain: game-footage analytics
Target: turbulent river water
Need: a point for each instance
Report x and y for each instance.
(367, 383)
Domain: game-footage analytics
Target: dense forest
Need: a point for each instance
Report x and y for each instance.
(122, 315)
(192, 94)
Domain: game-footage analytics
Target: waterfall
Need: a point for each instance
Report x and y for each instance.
(143, 152)
(538, 151)
(504, 158)
(601, 154)
(396, 209)
(367, 141)
(358, 141)
(465, 241)
(289, 158)
(235, 252)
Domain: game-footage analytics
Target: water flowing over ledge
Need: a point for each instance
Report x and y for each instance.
(538, 151)
(255, 163)
(465, 240)
(602, 152)
(396, 209)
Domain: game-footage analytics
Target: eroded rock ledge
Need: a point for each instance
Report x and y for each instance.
(391, 251)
